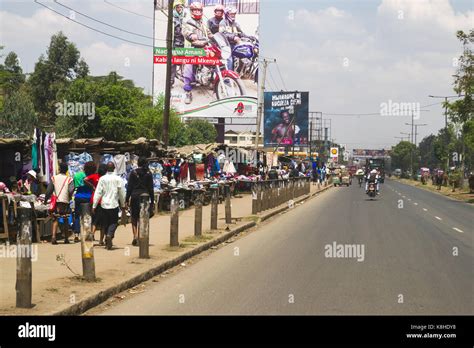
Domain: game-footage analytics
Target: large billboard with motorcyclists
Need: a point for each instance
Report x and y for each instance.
(215, 58)
(286, 118)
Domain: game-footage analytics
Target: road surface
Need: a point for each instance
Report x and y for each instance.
(415, 256)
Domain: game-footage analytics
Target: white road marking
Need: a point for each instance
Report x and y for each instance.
(409, 199)
(415, 203)
(458, 230)
(425, 209)
(403, 197)
(438, 218)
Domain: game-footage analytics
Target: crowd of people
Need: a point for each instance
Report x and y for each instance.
(97, 186)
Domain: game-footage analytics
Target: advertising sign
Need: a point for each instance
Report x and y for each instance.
(286, 118)
(364, 153)
(215, 62)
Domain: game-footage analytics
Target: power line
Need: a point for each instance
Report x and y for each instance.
(279, 72)
(107, 24)
(124, 9)
(273, 81)
(91, 28)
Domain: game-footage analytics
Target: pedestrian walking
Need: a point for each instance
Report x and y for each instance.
(139, 182)
(60, 191)
(83, 195)
(92, 181)
(111, 194)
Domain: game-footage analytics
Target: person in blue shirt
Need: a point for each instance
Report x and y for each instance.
(83, 195)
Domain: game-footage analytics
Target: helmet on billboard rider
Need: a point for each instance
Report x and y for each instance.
(230, 13)
(219, 11)
(196, 9)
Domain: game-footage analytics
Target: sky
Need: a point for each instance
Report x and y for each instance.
(352, 56)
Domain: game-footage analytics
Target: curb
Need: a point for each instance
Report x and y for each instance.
(95, 300)
(300, 199)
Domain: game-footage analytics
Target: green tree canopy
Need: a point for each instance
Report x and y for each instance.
(52, 73)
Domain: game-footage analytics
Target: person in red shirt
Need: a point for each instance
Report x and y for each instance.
(92, 181)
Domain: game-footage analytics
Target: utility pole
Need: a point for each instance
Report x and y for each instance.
(153, 68)
(446, 120)
(261, 100)
(169, 57)
(407, 134)
(416, 129)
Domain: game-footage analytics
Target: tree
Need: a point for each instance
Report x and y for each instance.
(11, 75)
(401, 155)
(444, 144)
(53, 72)
(18, 115)
(116, 103)
(462, 111)
(201, 132)
(427, 154)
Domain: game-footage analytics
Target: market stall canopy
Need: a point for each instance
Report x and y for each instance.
(101, 145)
(14, 142)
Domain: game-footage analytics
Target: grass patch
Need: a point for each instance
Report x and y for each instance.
(83, 280)
(52, 289)
(194, 240)
(253, 218)
(178, 248)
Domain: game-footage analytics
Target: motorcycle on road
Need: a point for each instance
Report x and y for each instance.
(372, 190)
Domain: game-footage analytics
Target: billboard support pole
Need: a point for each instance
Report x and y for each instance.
(261, 97)
(169, 57)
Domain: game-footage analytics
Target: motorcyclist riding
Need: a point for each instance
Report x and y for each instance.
(214, 22)
(373, 177)
(197, 35)
(178, 38)
(232, 30)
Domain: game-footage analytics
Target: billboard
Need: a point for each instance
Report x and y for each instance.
(364, 153)
(286, 118)
(215, 61)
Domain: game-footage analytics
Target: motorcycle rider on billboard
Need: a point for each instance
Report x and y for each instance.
(178, 38)
(232, 30)
(197, 35)
(213, 23)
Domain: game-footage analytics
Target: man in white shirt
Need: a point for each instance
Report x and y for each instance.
(110, 192)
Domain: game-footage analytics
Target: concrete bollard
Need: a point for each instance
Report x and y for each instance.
(198, 215)
(254, 198)
(278, 200)
(228, 209)
(24, 274)
(144, 227)
(265, 196)
(87, 243)
(174, 225)
(214, 207)
(259, 196)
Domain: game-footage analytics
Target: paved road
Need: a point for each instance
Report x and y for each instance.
(283, 269)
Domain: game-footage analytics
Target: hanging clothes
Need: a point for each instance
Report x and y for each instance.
(120, 164)
(34, 153)
(183, 171)
(192, 171)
